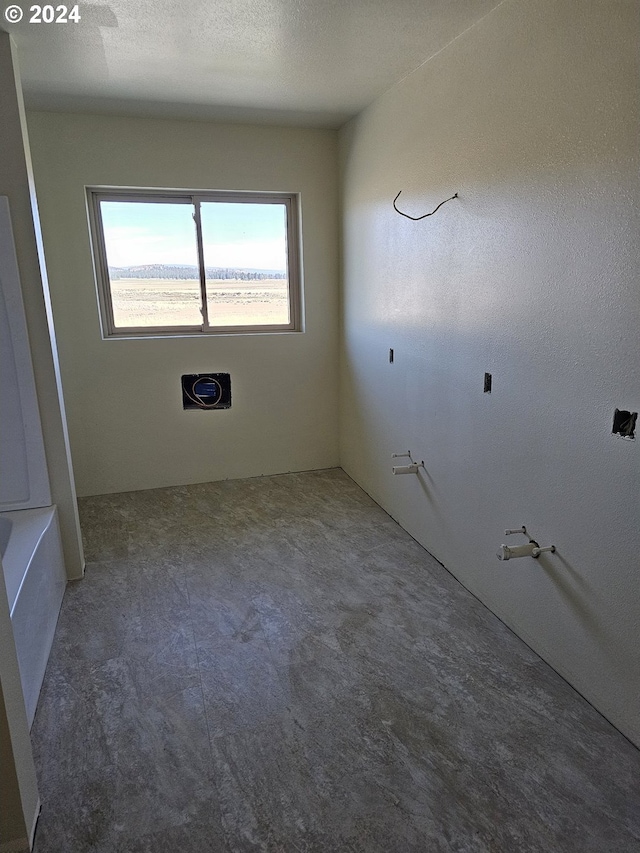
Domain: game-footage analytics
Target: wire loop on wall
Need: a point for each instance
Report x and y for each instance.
(199, 399)
(417, 218)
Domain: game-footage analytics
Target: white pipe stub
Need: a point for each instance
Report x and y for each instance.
(406, 469)
(411, 468)
(531, 549)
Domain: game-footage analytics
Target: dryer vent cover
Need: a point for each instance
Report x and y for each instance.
(206, 391)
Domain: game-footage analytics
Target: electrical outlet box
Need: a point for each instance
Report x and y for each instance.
(206, 391)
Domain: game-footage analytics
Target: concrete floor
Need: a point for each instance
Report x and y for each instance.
(274, 665)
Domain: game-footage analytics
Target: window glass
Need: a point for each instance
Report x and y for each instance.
(152, 259)
(245, 257)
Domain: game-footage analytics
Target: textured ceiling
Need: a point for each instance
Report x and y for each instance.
(313, 62)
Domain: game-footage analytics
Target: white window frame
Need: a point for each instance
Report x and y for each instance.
(96, 195)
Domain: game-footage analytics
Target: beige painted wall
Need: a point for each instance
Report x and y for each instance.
(12, 826)
(19, 800)
(127, 427)
(532, 275)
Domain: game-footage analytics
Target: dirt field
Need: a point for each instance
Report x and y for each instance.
(166, 302)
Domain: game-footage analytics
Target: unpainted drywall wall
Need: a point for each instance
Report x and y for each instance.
(127, 427)
(532, 116)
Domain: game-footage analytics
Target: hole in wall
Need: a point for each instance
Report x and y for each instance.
(487, 383)
(624, 423)
(206, 391)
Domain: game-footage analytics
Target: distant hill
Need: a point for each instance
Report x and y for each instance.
(175, 271)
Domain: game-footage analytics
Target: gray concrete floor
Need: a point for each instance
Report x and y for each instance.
(274, 665)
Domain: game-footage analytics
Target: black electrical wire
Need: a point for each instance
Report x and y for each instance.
(417, 218)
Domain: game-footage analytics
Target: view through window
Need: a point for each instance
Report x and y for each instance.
(195, 263)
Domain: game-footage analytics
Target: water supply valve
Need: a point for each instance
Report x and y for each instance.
(531, 549)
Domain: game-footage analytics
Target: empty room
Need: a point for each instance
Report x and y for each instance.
(319, 459)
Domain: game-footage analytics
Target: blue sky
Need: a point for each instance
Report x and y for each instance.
(234, 234)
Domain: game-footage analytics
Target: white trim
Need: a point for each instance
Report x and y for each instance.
(34, 825)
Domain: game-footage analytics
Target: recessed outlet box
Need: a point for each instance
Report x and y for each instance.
(624, 423)
(487, 383)
(206, 391)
